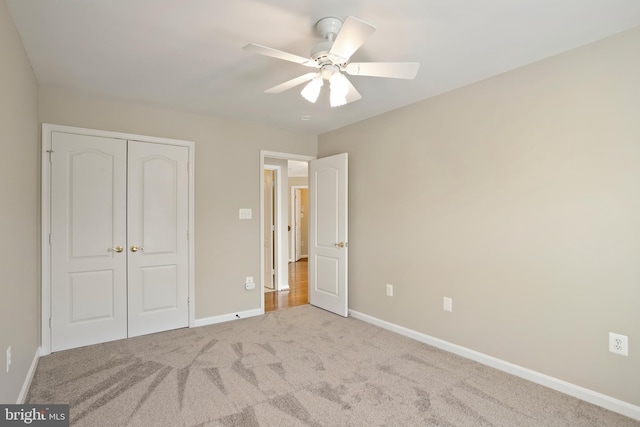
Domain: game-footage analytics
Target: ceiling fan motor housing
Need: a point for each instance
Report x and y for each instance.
(320, 52)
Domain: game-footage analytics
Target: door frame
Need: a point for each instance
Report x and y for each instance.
(277, 222)
(294, 222)
(264, 154)
(45, 193)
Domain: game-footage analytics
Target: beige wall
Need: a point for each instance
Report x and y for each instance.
(19, 194)
(227, 177)
(518, 197)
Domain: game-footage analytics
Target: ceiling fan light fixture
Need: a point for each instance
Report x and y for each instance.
(337, 100)
(312, 90)
(339, 90)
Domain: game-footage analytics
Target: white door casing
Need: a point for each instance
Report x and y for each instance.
(88, 261)
(328, 233)
(269, 229)
(298, 225)
(299, 221)
(157, 210)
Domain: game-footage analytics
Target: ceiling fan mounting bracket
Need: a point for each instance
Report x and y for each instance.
(329, 27)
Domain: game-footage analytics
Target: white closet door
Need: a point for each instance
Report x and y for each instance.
(88, 230)
(157, 237)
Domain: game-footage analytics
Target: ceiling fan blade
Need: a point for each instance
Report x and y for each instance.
(395, 70)
(353, 94)
(351, 36)
(279, 54)
(291, 83)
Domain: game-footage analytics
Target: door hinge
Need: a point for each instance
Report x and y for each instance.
(188, 167)
(49, 239)
(187, 234)
(49, 322)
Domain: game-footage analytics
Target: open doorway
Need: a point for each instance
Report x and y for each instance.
(291, 232)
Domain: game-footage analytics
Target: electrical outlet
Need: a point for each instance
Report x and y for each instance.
(618, 344)
(389, 290)
(249, 279)
(8, 358)
(447, 304)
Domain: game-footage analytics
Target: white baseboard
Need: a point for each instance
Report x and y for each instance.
(227, 317)
(602, 400)
(27, 381)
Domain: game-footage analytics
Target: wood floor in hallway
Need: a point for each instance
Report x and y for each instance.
(298, 293)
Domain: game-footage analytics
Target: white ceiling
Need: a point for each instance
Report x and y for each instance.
(187, 54)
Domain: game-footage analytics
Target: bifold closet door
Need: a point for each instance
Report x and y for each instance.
(119, 244)
(88, 235)
(158, 274)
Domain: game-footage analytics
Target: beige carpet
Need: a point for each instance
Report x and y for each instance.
(297, 367)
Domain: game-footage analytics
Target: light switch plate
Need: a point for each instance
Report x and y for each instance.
(389, 290)
(245, 214)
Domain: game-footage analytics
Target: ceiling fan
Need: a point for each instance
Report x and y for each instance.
(331, 58)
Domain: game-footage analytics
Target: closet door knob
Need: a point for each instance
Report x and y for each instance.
(135, 248)
(117, 249)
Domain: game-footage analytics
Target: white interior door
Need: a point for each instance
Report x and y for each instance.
(158, 185)
(88, 233)
(328, 234)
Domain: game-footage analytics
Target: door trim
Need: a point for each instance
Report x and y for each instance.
(45, 288)
(292, 240)
(277, 222)
(264, 154)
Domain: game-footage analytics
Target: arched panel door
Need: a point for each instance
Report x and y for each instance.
(88, 234)
(158, 192)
